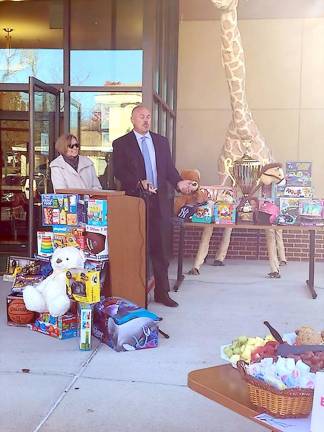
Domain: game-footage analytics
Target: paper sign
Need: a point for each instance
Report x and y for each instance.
(285, 425)
(317, 423)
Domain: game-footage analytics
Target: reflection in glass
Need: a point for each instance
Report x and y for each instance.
(31, 41)
(14, 101)
(106, 42)
(100, 118)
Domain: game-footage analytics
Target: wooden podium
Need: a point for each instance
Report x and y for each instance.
(126, 244)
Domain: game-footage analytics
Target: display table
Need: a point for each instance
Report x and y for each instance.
(224, 385)
(312, 230)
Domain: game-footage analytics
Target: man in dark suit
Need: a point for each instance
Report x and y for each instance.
(142, 160)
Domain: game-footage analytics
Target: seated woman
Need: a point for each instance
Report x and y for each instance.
(70, 170)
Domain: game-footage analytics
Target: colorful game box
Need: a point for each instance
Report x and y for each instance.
(97, 212)
(23, 280)
(299, 173)
(63, 327)
(224, 213)
(83, 285)
(59, 209)
(289, 211)
(28, 266)
(298, 191)
(204, 213)
(85, 327)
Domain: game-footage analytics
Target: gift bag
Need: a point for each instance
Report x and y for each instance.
(317, 420)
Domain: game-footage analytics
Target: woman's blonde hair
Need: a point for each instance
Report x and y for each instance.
(63, 142)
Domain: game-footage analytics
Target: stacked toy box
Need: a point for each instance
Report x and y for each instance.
(295, 193)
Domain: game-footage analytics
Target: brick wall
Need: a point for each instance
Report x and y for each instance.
(250, 244)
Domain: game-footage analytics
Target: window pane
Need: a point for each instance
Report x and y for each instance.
(106, 42)
(99, 118)
(31, 41)
(101, 68)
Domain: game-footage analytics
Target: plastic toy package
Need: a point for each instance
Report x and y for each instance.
(83, 285)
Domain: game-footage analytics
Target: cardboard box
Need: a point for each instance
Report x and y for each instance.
(45, 243)
(224, 213)
(59, 209)
(204, 213)
(97, 212)
(85, 327)
(63, 327)
(96, 243)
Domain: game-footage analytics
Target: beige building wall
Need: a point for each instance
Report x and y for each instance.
(285, 92)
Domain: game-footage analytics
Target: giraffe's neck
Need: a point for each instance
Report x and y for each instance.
(234, 64)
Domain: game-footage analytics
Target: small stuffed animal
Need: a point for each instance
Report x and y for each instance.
(197, 197)
(50, 295)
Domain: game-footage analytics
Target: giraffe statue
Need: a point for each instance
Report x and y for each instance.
(242, 136)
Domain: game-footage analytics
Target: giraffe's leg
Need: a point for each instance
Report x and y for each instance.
(223, 247)
(203, 248)
(272, 252)
(280, 247)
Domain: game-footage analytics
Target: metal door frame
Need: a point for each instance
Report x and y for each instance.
(35, 84)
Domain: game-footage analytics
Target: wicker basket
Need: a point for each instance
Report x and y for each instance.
(278, 403)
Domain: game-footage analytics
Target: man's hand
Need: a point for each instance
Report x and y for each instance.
(148, 186)
(187, 186)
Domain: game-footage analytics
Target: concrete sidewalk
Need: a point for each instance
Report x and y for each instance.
(74, 391)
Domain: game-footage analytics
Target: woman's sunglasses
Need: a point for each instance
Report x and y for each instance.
(72, 146)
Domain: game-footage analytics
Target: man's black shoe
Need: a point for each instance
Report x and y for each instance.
(218, 263)
(165, 299)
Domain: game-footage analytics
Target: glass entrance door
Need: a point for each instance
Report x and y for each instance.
(44, 114)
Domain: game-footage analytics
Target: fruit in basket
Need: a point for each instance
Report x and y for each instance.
(308, 336)
(266, 351)
(242, 347)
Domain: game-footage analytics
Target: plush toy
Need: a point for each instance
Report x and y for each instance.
(197, 197)
(308, 336)
(50, 295)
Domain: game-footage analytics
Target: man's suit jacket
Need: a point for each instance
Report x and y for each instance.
(129, 167)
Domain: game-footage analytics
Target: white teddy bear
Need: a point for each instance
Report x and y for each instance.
(50, 295)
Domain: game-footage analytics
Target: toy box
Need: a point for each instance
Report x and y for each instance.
(27, 266)
(68, 236)
(124, 326)
(62, 327)
(17, 314)
(224, 213)
(83, 285)
(298, 191)
(299, 173)
(289, 211)
(204, 213)
(96, 242)
(59, 209)
(23, 280)
(45, 243)
(97, 212)
(85, 327)
(311, 212)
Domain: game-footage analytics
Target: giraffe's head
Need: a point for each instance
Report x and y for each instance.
(225, 5)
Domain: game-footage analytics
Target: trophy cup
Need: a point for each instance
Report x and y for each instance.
(245, 173)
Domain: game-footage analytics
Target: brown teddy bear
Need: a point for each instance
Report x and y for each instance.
(197, 197)
(309, 336)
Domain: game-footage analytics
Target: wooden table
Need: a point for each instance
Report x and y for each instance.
(224, 385)
(312, 230)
